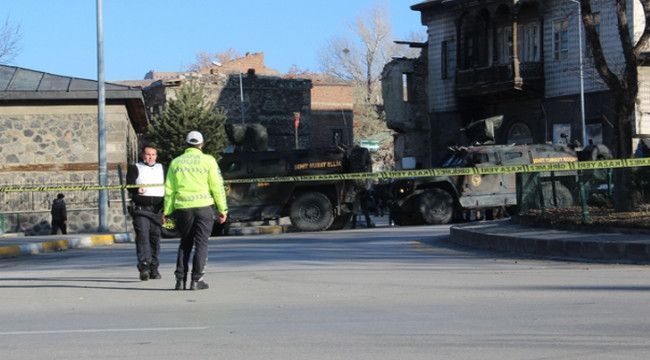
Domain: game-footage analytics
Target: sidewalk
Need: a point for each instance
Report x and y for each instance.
(12, 245)
(505, 235)
(16, 244)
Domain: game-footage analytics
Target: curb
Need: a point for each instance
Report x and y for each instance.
(73, 242)
(564, 248)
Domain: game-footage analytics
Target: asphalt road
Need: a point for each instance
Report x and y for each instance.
(383, 293)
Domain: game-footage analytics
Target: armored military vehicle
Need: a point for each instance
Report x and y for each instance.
(438, 200)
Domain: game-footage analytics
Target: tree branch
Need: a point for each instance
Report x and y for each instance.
(611, 80)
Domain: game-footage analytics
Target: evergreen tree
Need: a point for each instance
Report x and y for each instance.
(189, 111)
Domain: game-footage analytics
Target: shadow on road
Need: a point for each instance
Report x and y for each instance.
(24, 283)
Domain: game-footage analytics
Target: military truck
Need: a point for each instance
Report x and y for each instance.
(310, 205)
(440, 199)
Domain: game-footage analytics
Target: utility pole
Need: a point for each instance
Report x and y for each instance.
(101, 125)
(582, 83)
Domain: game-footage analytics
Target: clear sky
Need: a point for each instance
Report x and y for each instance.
(59, 36)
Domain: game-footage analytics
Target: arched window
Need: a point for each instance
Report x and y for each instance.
(519, 133)
(482, 31)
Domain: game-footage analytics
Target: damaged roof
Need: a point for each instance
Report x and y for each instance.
(19, 84)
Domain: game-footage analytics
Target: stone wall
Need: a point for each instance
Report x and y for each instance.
(56, 145)
(268, 100)
(272, 102)
(79, 221)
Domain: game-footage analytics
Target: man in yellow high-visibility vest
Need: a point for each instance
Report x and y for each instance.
(193, 188)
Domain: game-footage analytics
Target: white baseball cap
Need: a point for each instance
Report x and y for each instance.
(194, 138)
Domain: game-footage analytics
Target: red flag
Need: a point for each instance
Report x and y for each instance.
(296, 120)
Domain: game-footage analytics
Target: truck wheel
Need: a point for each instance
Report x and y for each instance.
(436, 206)
(311, 211)
(340, 221)
(562, 194)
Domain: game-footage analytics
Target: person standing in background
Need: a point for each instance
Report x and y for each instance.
(59, 215)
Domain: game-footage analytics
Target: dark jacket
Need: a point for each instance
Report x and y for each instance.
(59, 211)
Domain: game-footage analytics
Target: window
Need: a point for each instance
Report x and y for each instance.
(444, 59)
(406, 84)
(447, 59)
(597, 26)
(504, 45)
(529, 49)
(560, 39)
(469, 51)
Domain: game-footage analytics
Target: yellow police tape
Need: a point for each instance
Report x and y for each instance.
(399, 174)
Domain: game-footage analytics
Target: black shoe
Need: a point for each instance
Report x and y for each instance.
(198, 285)
(180, 284)
(144, 275)
(155, 275)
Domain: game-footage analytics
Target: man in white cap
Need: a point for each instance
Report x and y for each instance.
(193, 188)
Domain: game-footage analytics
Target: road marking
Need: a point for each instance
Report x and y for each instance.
(73, 331)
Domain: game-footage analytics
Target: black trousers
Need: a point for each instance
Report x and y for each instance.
(194, 226)
(147, 226)
(59, 224)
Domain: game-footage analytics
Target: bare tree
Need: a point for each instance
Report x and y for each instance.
(295, 71)
(361, 59)
(624, 87)
(10, 36)
(205, 59)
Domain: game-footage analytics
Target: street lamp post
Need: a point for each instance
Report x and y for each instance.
(582, 84)
(241, 99)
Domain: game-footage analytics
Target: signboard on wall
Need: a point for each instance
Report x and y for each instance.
(371, 145)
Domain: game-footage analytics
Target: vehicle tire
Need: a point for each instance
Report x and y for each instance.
(562, 193)
(311, 211)
(436, 206)
(340, 221)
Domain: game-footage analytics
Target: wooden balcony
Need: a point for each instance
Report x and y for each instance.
(494, 80)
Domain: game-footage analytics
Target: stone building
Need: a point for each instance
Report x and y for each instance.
(48, 137)
(519, 59)
(324, 107)
(332, 111)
